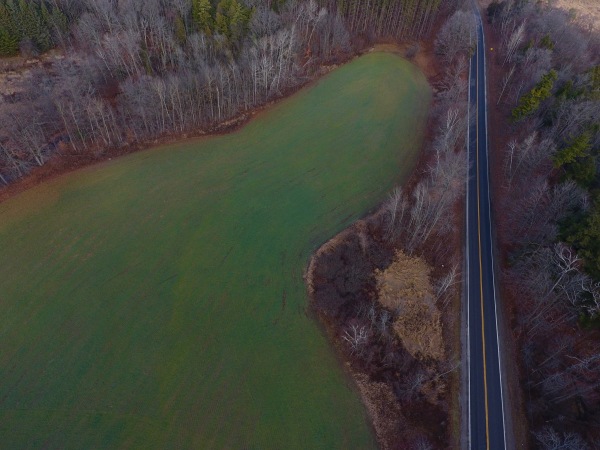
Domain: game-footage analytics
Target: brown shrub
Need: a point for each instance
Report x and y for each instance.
(383, 409)
(405, 289)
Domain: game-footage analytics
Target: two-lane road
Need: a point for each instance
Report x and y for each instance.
(485, 394)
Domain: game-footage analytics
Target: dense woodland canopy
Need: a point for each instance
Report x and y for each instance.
(30, 27)
(128, 71)
(550, 214)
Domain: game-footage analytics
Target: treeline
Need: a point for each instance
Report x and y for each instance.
(550, 214)
(398, 18)
(133, 71)
(136, 71)
(32, 26)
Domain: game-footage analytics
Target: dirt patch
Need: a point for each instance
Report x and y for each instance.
(15, 70)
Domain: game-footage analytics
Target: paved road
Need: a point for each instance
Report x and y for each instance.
(486, 407)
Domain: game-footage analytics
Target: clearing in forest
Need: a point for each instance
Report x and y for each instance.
(157, 301)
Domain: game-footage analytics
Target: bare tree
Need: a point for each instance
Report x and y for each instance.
(549, 439)
(505, 80)
(445, 283)
(395, 208)
(511, 44)
(356, 337)
(457, 36)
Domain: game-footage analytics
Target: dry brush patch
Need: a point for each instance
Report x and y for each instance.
(383, 408)
(405, 289)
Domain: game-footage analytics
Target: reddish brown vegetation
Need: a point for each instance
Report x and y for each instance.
(409, 383)
(551, 361)
(405, 395)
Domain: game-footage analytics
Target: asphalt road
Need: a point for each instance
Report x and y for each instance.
(486, 406)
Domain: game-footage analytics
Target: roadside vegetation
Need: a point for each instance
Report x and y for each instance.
(388, 288)
(130, 72)
(547, 94)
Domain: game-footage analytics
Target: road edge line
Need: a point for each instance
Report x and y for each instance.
(490, 232)
(468, 275)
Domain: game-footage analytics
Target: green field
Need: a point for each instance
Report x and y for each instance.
(157, 301)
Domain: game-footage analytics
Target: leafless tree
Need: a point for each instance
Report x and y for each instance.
(421, 443)
(510, 45)
(413, 384)
(505, 80)
(549, 439)
(356, 337)
(395, 207)
(445, 283)
(457, 36)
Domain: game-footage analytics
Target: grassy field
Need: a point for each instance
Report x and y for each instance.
(157, 301)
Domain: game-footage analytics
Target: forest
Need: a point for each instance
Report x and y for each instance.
(122, 73)
(547, 95)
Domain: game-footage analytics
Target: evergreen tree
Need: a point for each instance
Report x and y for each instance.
(578, 148)
(42, 36)
(35, 22)
(221, 19)
(180, 31)
(239, 18)
(59, 25)
(9, 45)
(584, 235)
(583, 171)
(9, 34)
(530, 102)
(202, 15)
(232, 19)
(594, 74)
(546, 42)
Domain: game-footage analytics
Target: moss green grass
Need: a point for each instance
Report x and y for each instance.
(157, 300)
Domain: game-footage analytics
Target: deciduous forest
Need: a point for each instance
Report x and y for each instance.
(547, 93)
(127, 72)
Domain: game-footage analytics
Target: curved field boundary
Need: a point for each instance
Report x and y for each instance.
(157, 301)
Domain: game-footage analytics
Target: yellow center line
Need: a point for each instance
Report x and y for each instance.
(485, 390)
